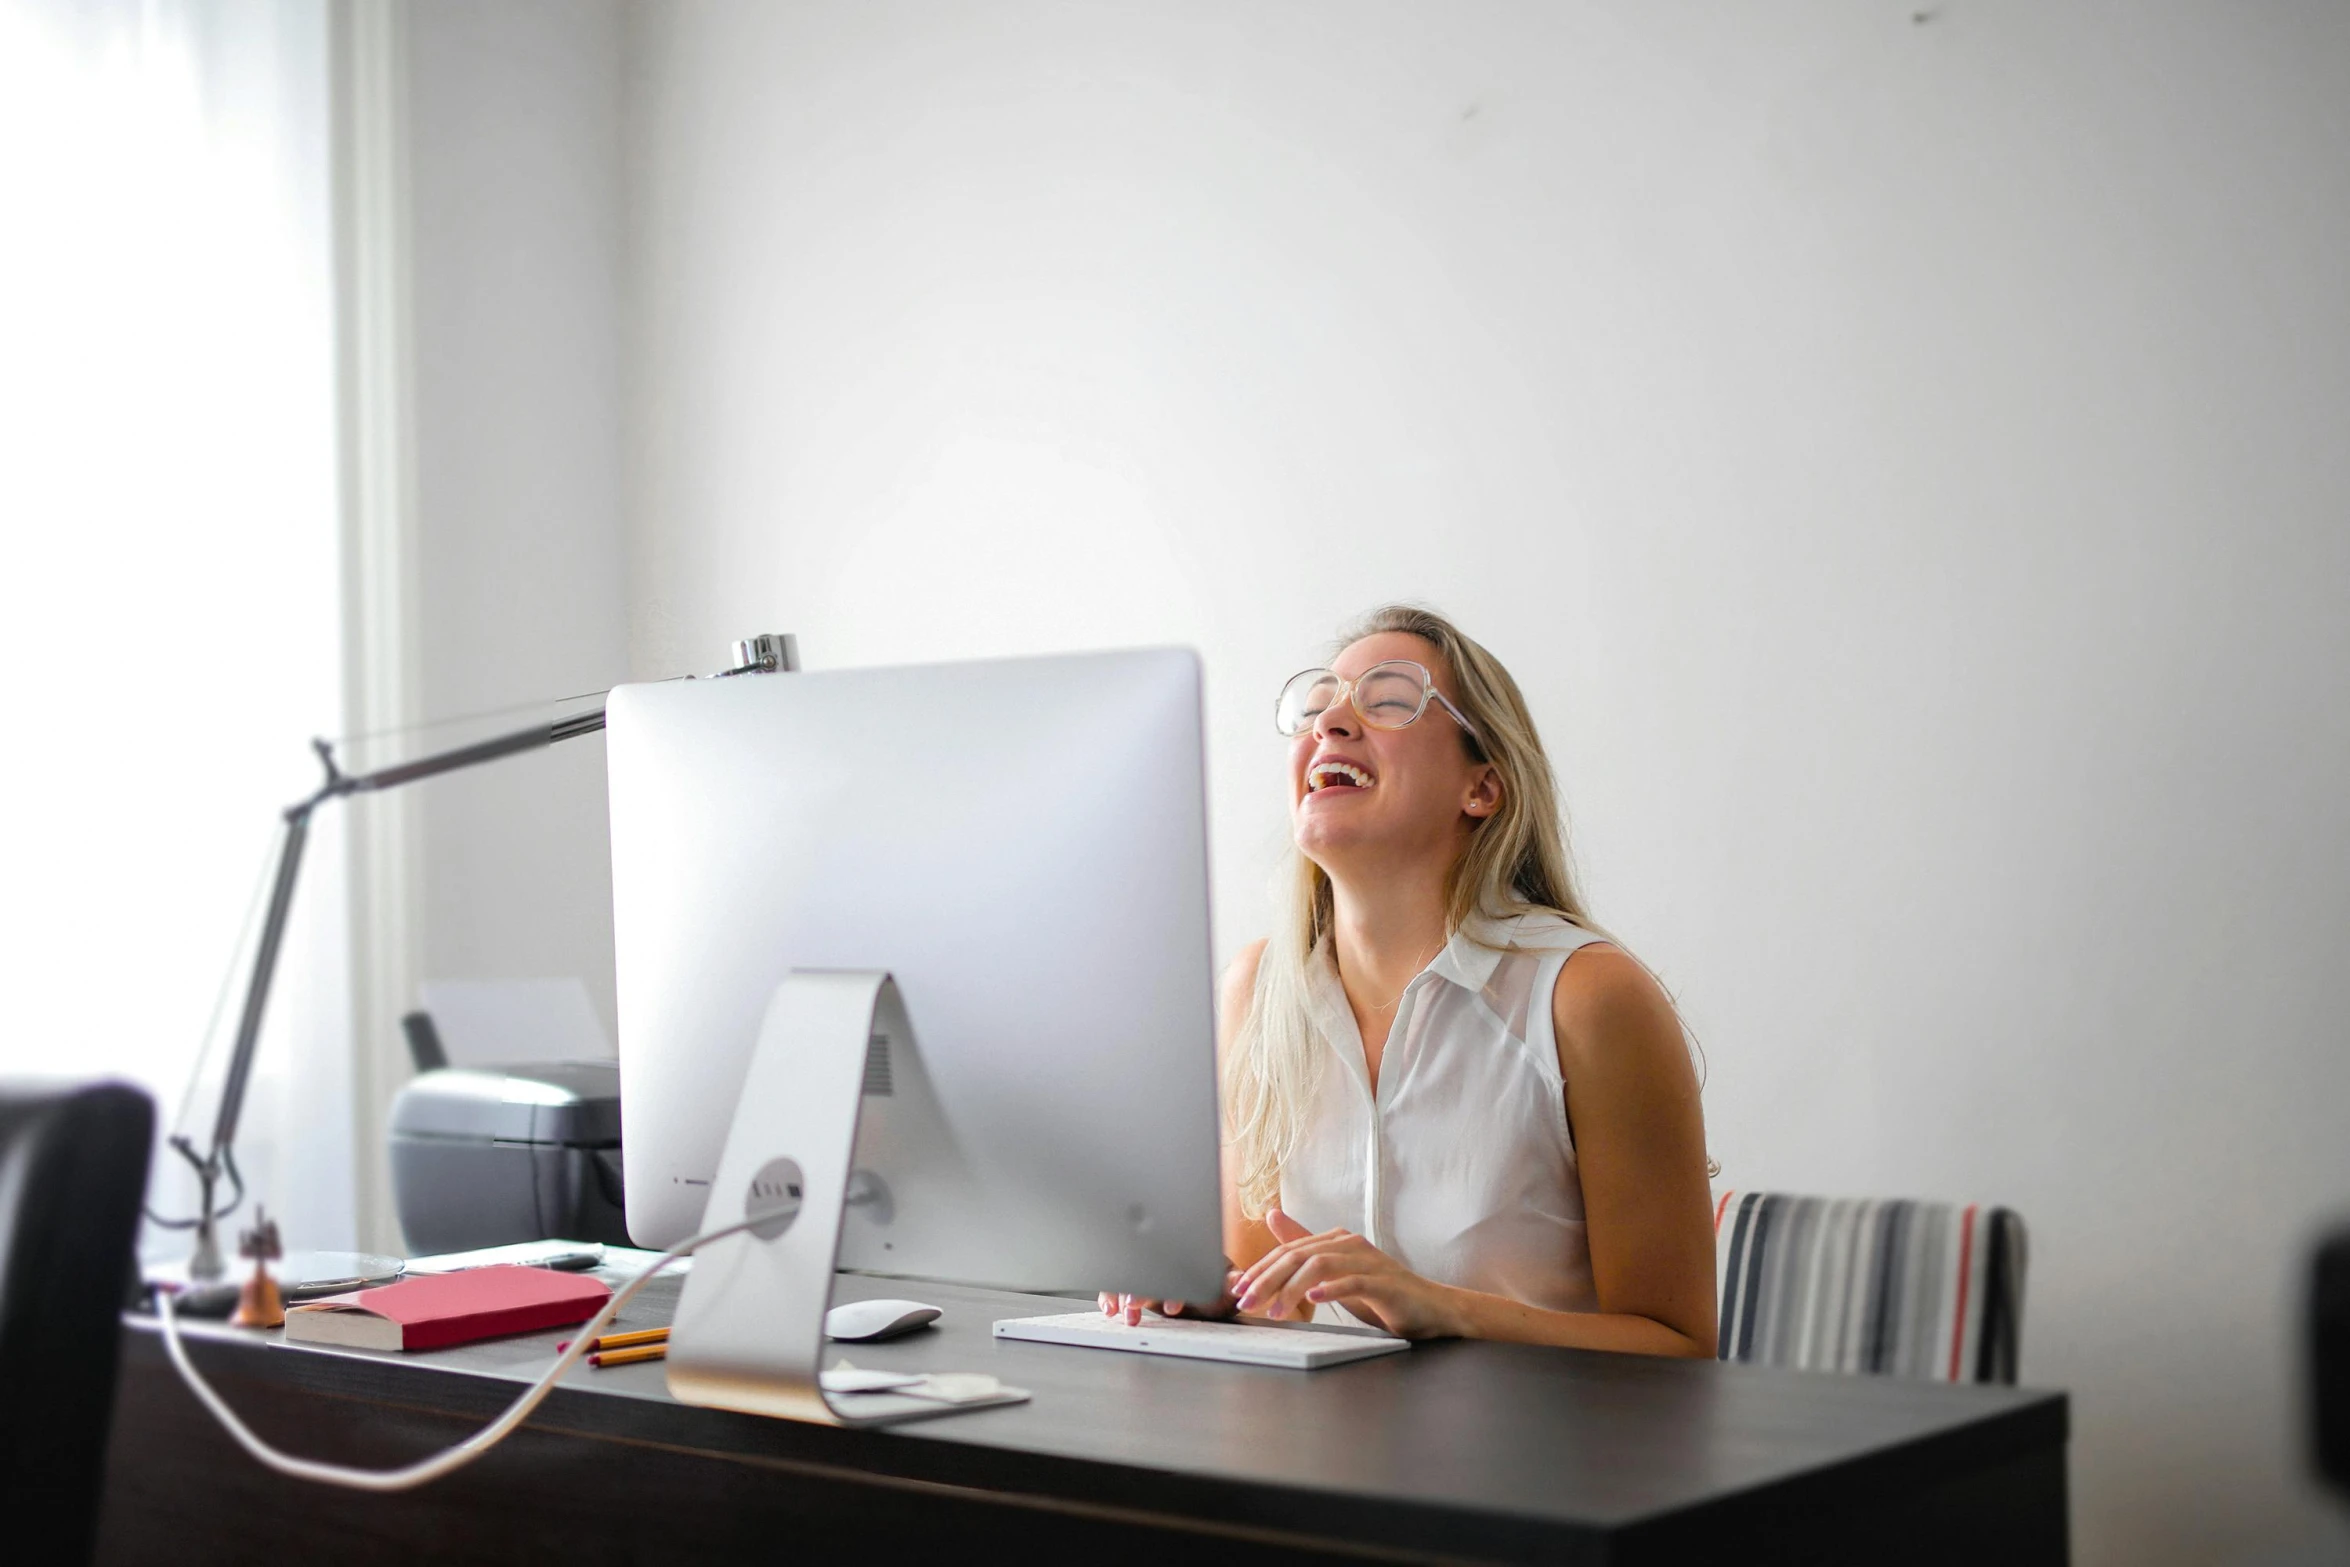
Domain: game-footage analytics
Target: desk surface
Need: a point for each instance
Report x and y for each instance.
(1453, 1450)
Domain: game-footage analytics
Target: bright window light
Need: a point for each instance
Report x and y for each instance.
(169, 603)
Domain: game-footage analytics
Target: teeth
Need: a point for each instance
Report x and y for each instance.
(1341, 772)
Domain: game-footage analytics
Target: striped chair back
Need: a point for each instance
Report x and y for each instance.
(1912, 1289)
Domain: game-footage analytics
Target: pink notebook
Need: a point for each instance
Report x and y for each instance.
(437, 1310)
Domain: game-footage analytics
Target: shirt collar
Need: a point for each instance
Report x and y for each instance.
(1467, 960)
(1475, 950)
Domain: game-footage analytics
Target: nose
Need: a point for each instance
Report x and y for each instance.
(1338, 719)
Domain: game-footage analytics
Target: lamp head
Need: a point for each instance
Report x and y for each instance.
(770, 652)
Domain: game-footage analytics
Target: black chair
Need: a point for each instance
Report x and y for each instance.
(73, 1171)
(2329, 1360)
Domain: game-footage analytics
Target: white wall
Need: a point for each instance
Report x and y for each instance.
(515, 207)
(1899, 448)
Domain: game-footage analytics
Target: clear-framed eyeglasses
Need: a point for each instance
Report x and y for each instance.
(1391, 695)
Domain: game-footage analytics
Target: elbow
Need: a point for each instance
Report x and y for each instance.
(1687, 1343)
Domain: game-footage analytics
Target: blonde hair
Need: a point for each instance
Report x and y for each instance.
(1516, 863)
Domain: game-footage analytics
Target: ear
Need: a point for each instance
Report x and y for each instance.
(1484, 796)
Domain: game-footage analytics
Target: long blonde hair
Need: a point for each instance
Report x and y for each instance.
(1516, 863)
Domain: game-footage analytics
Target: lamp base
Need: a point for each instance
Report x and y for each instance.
(301, 1275)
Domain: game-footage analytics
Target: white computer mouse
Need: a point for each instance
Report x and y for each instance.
(862, 1321)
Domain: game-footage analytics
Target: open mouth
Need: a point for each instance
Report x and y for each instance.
(1324, 777)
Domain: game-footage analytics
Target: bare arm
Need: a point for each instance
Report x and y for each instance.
(1245, 1239)
(1640, 1145)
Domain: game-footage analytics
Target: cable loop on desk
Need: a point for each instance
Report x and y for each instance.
(449, 1460)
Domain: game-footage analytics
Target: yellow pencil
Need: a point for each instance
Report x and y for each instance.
(621, 1340)
(622, 1357)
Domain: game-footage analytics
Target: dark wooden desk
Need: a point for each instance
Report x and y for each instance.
(1454, 1451)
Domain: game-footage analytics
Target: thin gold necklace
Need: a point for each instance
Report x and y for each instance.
(1416, 972)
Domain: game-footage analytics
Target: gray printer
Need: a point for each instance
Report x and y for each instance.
(487, 1156)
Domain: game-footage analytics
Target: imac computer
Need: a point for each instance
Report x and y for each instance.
(1020, 846)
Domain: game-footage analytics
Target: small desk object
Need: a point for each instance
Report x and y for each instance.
(1457, 1451)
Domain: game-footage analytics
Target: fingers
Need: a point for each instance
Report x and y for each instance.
(1351, 1286)
(1263, 1281)
(1279, 1290)
(1283, 1257)
(1129, 1308)
(1295, 1297)
(1284, 1227)
(1373, 1297)
(1284, 1283)
(1217, 1310)
(1249, 1275)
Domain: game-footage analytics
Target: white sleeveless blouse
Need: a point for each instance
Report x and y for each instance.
(1461, 1166)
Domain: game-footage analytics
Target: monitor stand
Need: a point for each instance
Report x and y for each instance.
(750, 1323)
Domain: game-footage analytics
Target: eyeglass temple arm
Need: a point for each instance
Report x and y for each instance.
(1458, 716)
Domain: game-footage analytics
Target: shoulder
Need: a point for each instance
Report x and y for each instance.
(1241, 978)
(1607, 1005)
(1240, 982)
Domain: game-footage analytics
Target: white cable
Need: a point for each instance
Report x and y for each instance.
(450, 1459)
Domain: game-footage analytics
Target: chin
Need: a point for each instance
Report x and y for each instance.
(1321, 841)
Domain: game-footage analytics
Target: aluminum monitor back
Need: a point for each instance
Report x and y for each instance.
(1023, 844)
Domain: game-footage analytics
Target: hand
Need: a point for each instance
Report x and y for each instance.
(1337, 1265)
(1131, 1307)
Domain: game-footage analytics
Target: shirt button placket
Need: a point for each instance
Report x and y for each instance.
(1374, 1176)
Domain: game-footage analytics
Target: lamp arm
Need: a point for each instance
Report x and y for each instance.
(289, 868)
(273, 935)
(762, 654)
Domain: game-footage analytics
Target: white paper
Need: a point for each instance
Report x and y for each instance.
(515, 1022)
(956, 1387)
(845, 1378)
(938, 1387)
(521, 1251)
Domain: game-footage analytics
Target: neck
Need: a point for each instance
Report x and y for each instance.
(1384, 930)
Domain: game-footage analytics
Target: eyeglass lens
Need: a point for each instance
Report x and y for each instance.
(1389, 696)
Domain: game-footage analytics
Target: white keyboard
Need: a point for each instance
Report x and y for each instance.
(1300, 1348)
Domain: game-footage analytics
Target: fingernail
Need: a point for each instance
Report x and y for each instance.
(1274, 1310)
(1316, 1293)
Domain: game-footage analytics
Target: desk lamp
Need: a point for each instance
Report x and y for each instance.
(767, 653)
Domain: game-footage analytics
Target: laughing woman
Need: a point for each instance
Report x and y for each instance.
(1454, 1107)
